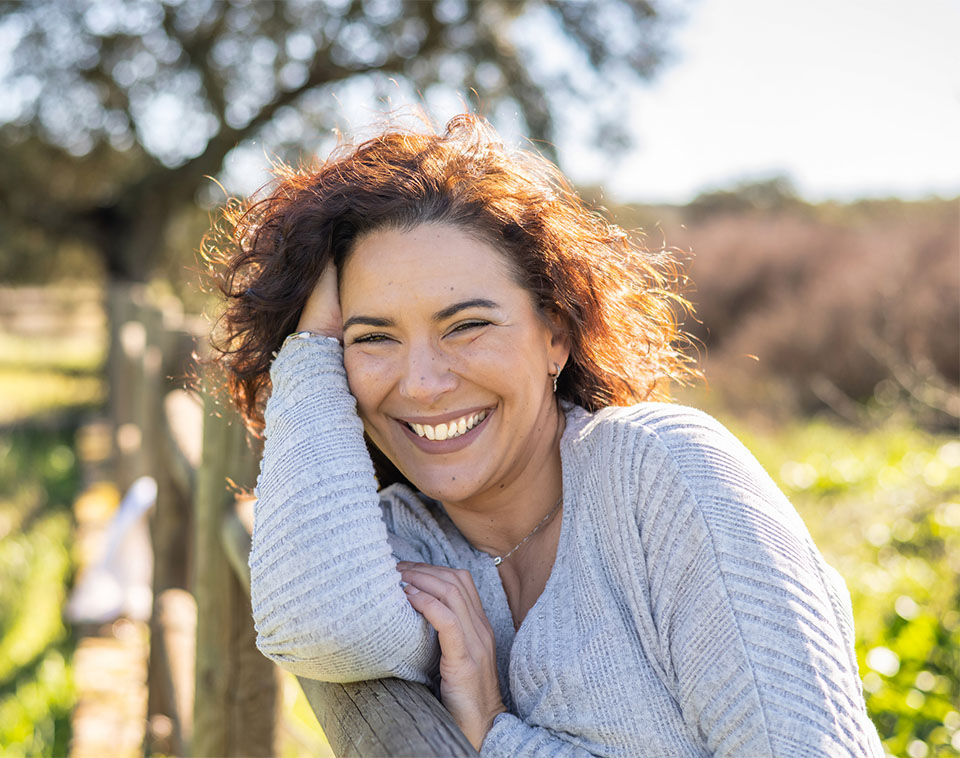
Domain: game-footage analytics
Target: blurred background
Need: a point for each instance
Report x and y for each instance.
(802, 159)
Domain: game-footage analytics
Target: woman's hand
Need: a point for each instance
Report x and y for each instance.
(321, 313)
(469, 687)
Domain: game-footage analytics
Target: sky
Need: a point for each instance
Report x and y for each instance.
(849, 98)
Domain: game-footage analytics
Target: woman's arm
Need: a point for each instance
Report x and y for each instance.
(325, 590)
(752, 625)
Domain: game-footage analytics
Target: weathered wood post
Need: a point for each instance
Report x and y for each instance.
(172, 517)
(385, 717)
(173, 620)
(236, 687)
(128, 348)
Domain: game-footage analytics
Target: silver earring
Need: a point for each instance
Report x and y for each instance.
(556, 376)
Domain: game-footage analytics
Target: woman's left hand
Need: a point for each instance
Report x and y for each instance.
(469, 687)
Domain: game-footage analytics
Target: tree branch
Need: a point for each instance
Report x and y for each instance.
(197, 49)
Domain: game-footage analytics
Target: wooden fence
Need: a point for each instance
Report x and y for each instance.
(211, 693)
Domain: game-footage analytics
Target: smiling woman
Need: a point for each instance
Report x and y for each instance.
(577, 568)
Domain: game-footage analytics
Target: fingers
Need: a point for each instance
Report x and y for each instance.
(448, 599)
(456, 637)
(454, 586)
(435, 576)
(321, 313)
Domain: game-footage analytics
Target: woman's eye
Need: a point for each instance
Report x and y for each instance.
(465, 325)
(371, 338)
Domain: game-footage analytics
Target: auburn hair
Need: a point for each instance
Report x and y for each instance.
(620, 301)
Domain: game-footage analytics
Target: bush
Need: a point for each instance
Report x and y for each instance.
(800, 307)
(831, 305)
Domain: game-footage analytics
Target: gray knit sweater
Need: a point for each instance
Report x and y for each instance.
(688, 612)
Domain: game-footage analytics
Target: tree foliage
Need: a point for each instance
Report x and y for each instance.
(771, 195)
(116, 110)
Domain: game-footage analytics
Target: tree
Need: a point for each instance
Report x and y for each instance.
(773, 194)
(115, 111)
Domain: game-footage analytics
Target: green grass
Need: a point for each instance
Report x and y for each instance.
(38, 479)
(71, 353)
(49, 374)
(30, 392)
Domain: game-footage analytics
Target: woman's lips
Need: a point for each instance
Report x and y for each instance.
(450, 445)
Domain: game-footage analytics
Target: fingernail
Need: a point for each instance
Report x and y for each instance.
(410, 589)
(403, 564)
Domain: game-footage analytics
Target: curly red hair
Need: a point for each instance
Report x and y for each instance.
(620, 301)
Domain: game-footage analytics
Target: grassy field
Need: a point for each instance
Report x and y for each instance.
(883, 505)
(38, 478)
(46, 385)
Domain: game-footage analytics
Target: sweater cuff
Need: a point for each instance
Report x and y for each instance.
(511, 737)
(303, 360)
(498, 739)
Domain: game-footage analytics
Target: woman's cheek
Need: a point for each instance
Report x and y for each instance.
(483, 353)
(368, 376)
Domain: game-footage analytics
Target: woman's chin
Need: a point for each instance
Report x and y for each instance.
(447, 487)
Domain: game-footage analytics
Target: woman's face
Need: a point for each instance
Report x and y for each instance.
(449, 360)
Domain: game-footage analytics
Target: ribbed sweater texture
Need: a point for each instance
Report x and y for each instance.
(688, 612)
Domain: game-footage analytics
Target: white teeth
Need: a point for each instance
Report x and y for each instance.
(450, 429)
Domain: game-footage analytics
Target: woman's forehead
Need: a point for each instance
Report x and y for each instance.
(433, 265)
(432, 256)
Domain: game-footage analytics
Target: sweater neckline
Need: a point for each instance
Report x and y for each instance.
(575, 417)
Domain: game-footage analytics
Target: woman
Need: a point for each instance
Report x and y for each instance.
(587, 572)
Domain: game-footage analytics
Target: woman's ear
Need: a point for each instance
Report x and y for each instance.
(560, 339)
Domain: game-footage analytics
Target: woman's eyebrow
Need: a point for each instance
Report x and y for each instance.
(366, 321)
(452, 310)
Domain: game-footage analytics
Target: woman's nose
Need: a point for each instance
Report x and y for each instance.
(427, 375)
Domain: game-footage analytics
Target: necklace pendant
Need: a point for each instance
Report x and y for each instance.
(498, 559)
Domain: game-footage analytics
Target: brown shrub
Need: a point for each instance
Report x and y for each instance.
(831, 300)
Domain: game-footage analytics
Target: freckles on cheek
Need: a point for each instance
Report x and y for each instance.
(367, 384)
(486, 355)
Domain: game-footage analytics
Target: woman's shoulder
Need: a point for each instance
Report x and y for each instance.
(654, 443)
(677, 428)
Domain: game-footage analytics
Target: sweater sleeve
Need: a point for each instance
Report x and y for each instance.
(512, 737)
(752, 624)
(325, 591)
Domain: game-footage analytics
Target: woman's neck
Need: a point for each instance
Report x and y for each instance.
(496, 520)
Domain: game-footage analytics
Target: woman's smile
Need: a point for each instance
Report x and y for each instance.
(447, 436)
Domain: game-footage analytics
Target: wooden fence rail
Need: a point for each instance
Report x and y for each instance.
(210, 686)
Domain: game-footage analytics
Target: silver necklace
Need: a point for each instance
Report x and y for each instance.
(498, 559)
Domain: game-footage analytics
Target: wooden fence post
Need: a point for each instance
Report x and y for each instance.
(236, 687)
(119, 310)
(173, 621)
(385, 717)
